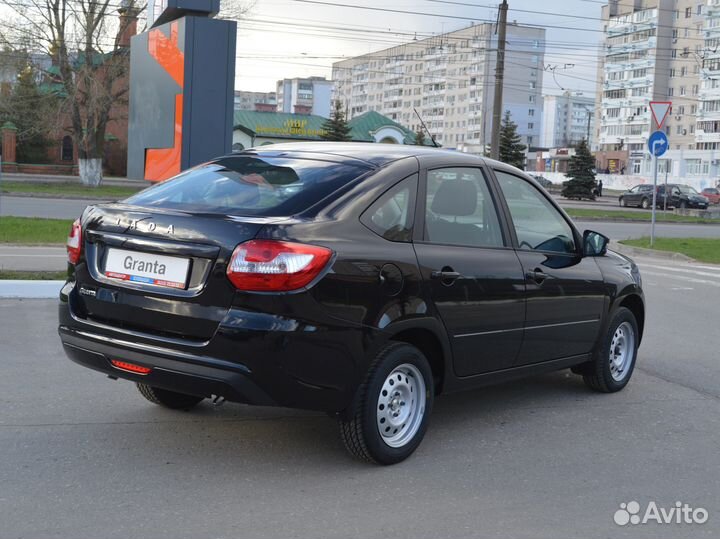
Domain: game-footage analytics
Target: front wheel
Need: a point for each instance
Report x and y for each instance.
(393, 407)
(623, 202)
(614, 360)
(645, 204)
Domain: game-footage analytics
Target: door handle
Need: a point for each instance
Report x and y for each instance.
(446, 275)
(537, 276)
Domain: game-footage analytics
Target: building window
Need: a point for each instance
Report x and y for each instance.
(688, 12)
(532, 99)
(66, 151)
(699, 9)
(531, 112)
(531, 125)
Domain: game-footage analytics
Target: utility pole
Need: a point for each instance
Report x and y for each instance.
(499, 76)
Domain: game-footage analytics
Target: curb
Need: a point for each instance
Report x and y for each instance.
(623, 220)
(59, 196)
(654, 253)
(10, 289)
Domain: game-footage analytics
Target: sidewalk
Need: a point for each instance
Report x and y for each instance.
(53, 178)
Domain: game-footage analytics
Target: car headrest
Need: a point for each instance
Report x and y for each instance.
(456, 198)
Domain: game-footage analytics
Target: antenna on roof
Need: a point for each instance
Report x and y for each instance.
(425, 127)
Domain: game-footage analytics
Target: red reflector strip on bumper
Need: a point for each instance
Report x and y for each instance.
(130, 367)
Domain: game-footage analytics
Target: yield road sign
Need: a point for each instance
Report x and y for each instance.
(660, 111)
(658, 143)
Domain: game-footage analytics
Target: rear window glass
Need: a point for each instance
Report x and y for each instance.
(249, 185)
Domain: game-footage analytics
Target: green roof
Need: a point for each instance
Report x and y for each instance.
(364, 126)
(279, 124)
(309, 126)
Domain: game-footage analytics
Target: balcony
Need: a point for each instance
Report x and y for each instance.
(702, 136)
(650, 43)
(629, 27)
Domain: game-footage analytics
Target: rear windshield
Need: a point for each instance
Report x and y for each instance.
(250, 185)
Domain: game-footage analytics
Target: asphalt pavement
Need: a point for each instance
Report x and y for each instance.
(50, 208)
(83, 456)
(25, 258)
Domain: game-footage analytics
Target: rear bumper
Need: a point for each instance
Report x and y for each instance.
(253, 358)
(95, 352)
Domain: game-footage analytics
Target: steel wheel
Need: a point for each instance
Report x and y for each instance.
(401, 405)
(622, 349)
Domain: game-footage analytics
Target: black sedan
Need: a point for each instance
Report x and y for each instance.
(640, 196)
(357, 279)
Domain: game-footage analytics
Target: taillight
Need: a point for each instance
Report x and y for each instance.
(74, 242)
(275, 266)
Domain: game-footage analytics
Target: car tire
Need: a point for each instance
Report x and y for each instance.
(683, 205)
(396, 396)
(623, 203)
(169, 399)
(645, 204)
(614, 359)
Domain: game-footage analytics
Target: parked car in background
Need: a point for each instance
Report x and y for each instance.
(542, 180)
(386, 276)
(640, 196)
(712, 194)
(680, 196)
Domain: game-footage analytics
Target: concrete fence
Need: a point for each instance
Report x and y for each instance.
(626, 181)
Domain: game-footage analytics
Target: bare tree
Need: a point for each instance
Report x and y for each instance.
(85, 39)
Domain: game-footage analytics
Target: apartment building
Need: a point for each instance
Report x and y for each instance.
(567, 119)
(660, 50)
(449, 79)
(246, 100)
(305, 96)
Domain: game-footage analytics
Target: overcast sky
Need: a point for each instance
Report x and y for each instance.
(268, 52)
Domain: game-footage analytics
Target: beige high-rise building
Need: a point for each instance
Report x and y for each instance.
(449, 79)
(660, 50)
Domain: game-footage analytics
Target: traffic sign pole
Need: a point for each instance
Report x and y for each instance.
(654, 199)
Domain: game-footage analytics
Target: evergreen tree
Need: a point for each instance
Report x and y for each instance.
(420, 138)
(30, 111)
(512, 151)
(336, 127)
(580, 171)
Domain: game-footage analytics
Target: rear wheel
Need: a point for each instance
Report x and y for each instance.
(393, 407)
(169, 399)
(623, 202)
(645, 203)
(614, 360)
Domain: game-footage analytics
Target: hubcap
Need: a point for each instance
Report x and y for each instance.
(622, 348)
(401, 405)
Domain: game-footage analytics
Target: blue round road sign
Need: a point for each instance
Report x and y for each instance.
(658, 143)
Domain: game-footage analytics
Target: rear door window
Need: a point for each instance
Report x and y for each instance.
(251, 185)
(459, 209)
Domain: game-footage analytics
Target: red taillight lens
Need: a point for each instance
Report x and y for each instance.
(130, 367)
(275, 266)
(74, 242)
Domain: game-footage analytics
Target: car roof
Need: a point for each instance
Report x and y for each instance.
(375, 154)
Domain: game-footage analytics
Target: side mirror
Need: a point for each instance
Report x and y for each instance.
(594, 243)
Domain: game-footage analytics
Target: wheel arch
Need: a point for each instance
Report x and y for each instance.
(431, 345)
(635, 304)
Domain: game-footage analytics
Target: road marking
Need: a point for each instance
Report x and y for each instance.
(681, 277)
(683, 270)
(682, 288)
